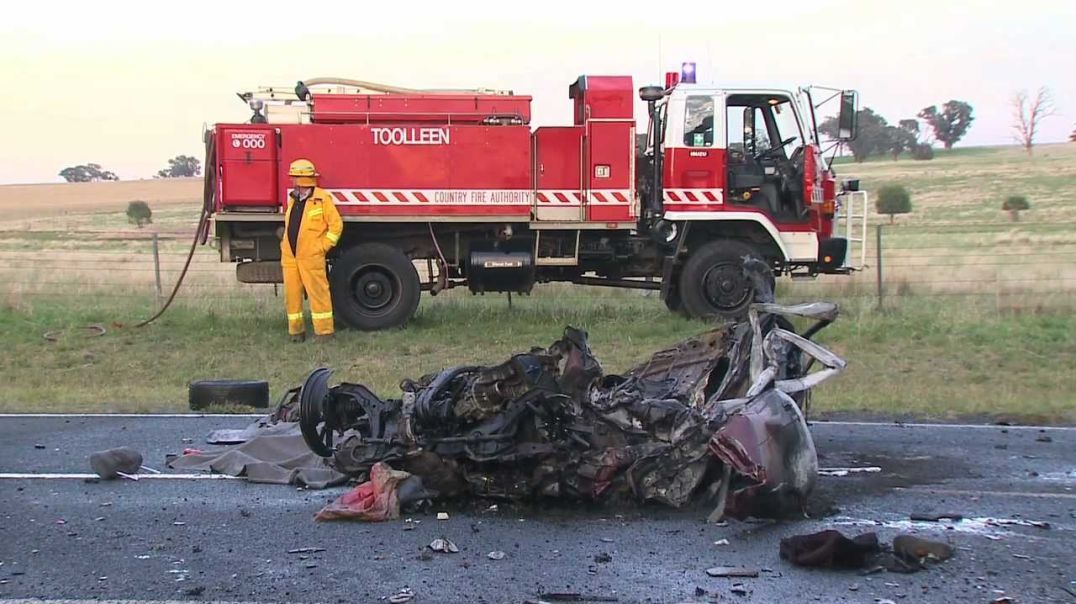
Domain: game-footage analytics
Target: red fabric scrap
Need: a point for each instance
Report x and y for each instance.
(372, 501)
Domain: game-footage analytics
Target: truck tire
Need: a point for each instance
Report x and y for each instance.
(712, 282)
(251, 393)
(374, 286)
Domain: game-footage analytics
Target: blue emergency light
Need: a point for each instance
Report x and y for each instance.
(687, 72)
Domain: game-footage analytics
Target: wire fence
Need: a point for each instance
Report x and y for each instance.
(1014, 265)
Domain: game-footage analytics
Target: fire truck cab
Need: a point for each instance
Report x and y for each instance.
(458, 184)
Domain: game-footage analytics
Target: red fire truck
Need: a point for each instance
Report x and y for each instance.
(457, 183)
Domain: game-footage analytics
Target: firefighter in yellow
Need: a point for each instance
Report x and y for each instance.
(312, 226)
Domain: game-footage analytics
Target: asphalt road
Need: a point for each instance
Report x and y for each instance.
(228, 540)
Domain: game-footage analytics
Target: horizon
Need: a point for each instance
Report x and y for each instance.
(115, 85)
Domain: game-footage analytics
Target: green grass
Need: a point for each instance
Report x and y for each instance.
(931, 358)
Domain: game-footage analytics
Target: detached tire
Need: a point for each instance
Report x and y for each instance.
(251, 393)
(712, 282)
(374, 286)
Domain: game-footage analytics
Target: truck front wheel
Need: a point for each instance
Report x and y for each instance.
(713, 283)
(374, 286)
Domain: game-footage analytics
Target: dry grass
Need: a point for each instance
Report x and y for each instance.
(969, 185)
(28, 206)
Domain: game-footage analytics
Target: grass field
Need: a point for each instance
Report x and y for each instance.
(968, 185)
(44, 206)
(979, 315)
(922, 359)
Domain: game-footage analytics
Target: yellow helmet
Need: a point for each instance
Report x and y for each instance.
(302, 167)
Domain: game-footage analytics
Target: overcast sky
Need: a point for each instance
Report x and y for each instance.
(119, 84)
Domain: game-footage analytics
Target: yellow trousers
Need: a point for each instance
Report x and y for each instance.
(307, 274)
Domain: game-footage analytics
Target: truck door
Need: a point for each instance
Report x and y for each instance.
(695, 152)
(248, 166)
(558, 173)
(610, 175)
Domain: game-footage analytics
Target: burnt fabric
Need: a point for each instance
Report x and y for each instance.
(830, 549)
(277, 457)
(375, 500)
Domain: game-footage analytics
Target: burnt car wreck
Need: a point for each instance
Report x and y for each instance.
(718, 419)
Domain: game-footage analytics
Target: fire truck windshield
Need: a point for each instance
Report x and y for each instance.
(787, 126)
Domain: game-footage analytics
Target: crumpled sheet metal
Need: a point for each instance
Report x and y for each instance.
(714, 418)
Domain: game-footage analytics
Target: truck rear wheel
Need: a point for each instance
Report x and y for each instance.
(374, 286)
(713, 283)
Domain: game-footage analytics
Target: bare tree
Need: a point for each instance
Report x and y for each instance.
(1028, 114)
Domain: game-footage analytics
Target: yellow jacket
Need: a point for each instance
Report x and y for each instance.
(320, 228)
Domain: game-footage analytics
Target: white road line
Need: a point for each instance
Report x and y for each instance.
(961, 426)
(46, 476)
(977, 493)
(139, 415)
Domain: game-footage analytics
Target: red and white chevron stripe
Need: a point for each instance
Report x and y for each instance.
(575, 198)
(694, 196)
(556, 197)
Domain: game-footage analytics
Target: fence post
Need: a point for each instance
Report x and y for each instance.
(878, 264)
(157, 266)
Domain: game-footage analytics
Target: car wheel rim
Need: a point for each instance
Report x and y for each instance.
(374, 289)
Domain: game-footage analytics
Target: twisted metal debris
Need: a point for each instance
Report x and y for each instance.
(717, 418)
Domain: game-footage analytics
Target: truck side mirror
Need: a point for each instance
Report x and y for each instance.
(847, 120)
(651, 94)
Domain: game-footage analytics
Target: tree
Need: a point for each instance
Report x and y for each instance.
(138, 212)
(872, 137)
(1027, 115)
(900, 139)
(181, 166)
(916, 143)
(86, 173)
(1014, 204)
(1072, 137)
(951, 123)
(892, 200)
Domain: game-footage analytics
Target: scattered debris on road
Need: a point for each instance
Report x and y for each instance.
(575, 597)
(936, 517)
(114, 463)
(497, 555)
(306, 550)
(830, 549)
(1017, 522)
(444, 546)
(732, 571)
(916, 550)
(839, 472)
(402, 597)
